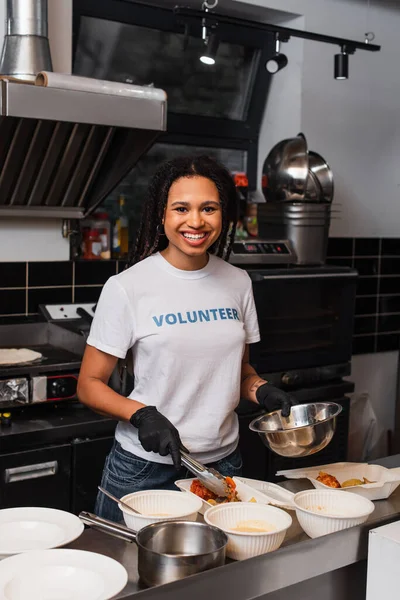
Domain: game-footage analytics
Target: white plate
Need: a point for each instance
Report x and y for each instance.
(61, 575)
(24, 529)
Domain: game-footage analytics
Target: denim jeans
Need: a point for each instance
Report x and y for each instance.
(125, 473)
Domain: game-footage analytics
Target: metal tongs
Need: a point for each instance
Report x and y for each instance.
(212, 479)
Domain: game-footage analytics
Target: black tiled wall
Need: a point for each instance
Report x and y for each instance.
(377, 313)
(23, 286)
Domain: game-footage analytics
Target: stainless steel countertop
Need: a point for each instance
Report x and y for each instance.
(299, 558)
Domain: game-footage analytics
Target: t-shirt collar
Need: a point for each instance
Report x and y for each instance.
(199, 274)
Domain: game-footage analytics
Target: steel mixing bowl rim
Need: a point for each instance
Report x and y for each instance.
(337, 412)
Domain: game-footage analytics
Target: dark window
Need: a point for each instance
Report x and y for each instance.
(147, 56)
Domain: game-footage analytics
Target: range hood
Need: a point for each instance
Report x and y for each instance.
(63, 151)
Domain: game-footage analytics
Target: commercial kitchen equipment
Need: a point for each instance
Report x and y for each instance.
(52, 453)
(298, 190)
(170, 550)
(306, 430)
(305, 317)
(64, 150)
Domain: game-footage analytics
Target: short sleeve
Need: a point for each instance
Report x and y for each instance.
(112, 329)
(250, 317)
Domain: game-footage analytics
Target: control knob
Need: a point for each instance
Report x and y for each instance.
(290, 378)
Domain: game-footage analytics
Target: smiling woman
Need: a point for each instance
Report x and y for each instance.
(188, 317)
(192, 221)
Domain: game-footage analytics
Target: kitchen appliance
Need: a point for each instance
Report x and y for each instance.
(298, 190)
(52, 452)
(52, 378)
(170, 550)
(308, 429)
(64, 150)
(306, 225)
(305, 316)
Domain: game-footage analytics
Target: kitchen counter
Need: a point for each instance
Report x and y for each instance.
(332, 567)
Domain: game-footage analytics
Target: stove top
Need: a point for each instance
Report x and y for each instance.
(62, 350)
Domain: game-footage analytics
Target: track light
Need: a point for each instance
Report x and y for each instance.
(341, 70)
(277, 62)
(210, 50)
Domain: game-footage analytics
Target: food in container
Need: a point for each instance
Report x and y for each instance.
(321, 512)
(328, 480)
(200, 490)
(252, 529)
(382, 482)
(331, 481)
(244, 493)
(159, 505)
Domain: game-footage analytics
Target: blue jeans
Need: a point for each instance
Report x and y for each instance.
(125, 473)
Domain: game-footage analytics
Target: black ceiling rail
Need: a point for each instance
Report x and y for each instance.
(212, 19)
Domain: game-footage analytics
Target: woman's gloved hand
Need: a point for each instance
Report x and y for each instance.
(272, 398)
(157, 434)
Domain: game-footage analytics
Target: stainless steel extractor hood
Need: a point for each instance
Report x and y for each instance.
(62, 151)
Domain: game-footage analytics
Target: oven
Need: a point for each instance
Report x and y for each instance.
(306, 323)
(305, 317)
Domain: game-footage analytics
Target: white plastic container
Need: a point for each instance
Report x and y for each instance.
(159, 505)
(242, 545)
(276, 494)
(385, 480)
(245, 493)
(321, 512)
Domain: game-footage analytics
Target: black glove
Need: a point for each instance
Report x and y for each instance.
(272, 398)
(157, 434)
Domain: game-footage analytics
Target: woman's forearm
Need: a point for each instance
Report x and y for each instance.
(98, 396)
(250, 382)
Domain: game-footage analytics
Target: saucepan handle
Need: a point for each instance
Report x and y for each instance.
(113, 529)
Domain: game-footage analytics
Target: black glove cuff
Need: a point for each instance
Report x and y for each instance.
(141, 414)
(260, 393)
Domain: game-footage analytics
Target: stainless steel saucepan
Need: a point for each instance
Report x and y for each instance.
(169, 550)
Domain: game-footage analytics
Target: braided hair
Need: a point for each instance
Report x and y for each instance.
(150, 239)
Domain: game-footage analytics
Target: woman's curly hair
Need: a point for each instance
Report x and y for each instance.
(150, 240)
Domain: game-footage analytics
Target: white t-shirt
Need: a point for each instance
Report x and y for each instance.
(188, 330)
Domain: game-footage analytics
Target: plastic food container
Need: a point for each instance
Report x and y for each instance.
(242, 545)
(321, 512)
(386, 480)
(276, 494)
(160, 505)
(245, 493)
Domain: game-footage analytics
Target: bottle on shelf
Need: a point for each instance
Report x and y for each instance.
(91, 244)
(120, 232)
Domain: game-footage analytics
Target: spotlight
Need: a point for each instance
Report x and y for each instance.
(341, 70)
(277, 62)
(210, 50)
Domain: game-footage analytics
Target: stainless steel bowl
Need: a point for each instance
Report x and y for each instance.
(320, 179)
(307, 430)
(286, 168)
